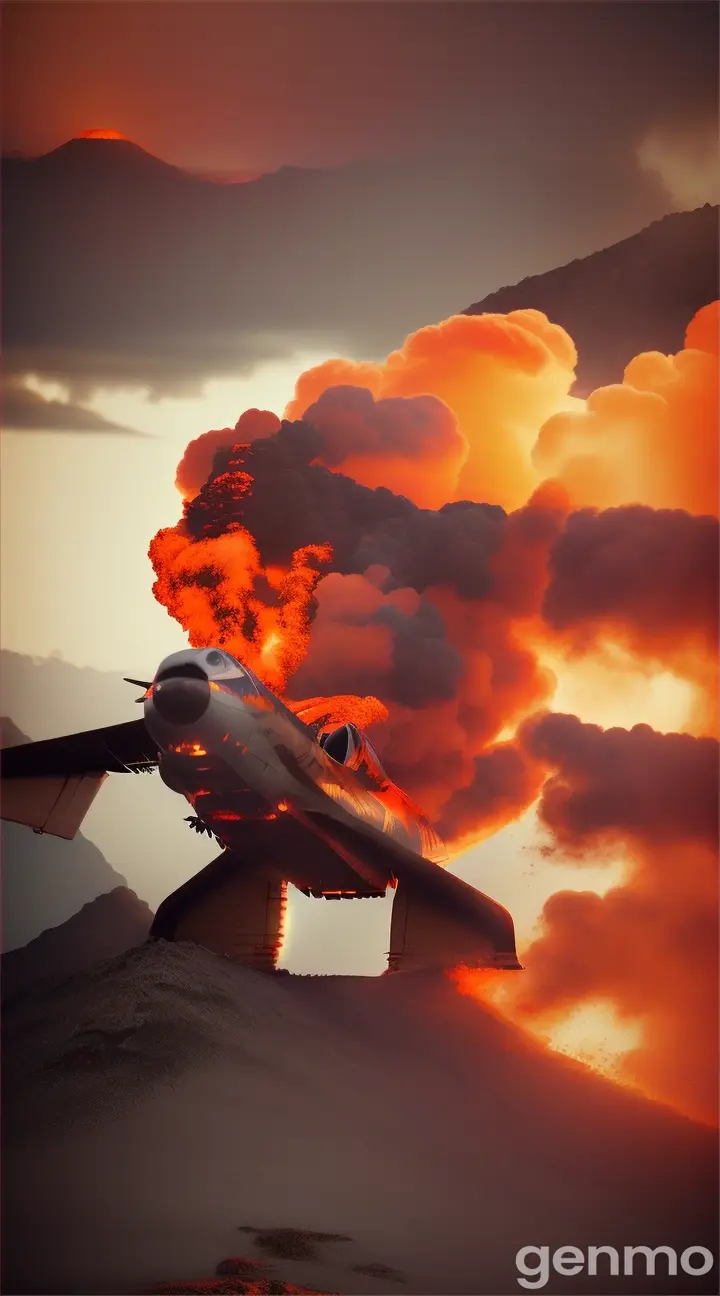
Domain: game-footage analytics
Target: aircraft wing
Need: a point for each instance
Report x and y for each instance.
(434, 911)
(50, 785)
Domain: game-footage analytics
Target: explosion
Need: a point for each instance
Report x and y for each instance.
(421, 545)
(219, 592)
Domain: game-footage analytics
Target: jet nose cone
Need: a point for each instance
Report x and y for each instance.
(181, 699)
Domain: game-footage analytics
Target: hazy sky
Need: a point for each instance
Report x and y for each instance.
(248, 87)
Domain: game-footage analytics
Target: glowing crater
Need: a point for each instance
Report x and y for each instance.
(104, 135)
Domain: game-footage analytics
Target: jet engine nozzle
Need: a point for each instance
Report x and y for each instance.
(181, 698)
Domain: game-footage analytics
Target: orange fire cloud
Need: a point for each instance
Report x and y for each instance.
(501, 376)
(651, 439)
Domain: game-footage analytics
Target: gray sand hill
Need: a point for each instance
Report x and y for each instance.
(159, 1103)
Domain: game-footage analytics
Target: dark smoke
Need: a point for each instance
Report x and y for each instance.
(652, 574)
(650, 945)
(295, 502)
(624, 784)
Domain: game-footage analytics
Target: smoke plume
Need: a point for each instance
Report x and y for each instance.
(648, 946)
(644, 579)
(416, 541)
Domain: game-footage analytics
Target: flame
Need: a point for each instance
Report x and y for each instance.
(209, 586)
(189, 749)
(272, 642)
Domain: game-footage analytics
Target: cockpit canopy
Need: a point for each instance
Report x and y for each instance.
(348, 746)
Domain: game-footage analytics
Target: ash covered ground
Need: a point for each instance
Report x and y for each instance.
(167, 1108)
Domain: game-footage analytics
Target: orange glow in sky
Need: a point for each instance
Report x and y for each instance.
(102, 134)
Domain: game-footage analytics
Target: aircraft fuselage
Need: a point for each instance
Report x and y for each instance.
(238, 755)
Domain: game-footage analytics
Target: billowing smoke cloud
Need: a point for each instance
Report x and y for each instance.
(649, 946)
(195, 466)
(412, 612)
(501, 376)
(634, 785)
(651, 439)
(437, 606)
(451, 676)
(408, 444)
(293, 501)
(642, 578)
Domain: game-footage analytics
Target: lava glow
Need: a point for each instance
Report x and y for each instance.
(103, 135)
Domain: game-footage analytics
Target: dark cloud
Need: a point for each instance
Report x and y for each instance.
(353, 424)
(27, 411)
(410, 612)
(426, 668)
(650, 945)
(504, 782)
(617, 784)
(421, 609)
(651, 575)
(296, 502)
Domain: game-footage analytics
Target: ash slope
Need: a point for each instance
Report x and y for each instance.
(106, 926)
(160, 1102)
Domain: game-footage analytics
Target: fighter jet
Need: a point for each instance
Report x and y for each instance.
(288, 801)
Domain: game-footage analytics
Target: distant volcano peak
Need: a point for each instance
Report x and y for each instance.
(110, 154)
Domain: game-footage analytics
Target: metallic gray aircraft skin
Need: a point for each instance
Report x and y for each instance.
(315, 809)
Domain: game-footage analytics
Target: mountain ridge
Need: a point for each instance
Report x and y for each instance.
(103, 928)
(115, 279)
(627, 281)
